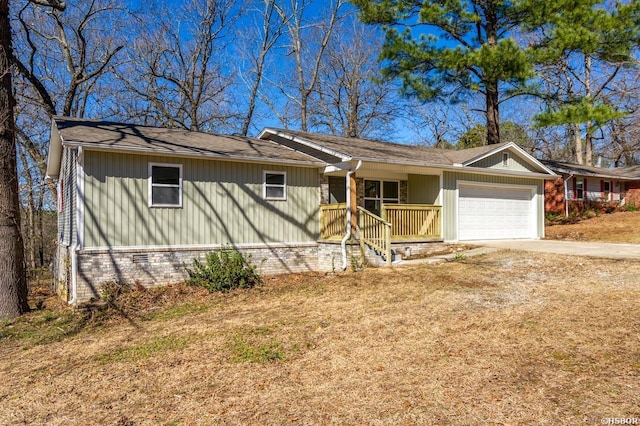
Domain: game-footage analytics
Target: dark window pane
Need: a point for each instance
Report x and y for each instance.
(372, 189)
(373, 206)
(165, 195)
(390, 190)
(275, 191)
(337, 190)
(274, 179)
(165, 175)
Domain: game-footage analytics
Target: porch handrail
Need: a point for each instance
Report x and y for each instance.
(375, 232)
(414, 220)
(333, 219)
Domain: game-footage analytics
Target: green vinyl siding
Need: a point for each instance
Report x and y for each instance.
(222, 203)
(450, 206)
(67, 228)
(516, 163)
(423, 189)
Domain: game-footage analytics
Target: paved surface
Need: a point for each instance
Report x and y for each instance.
(578, 248)
(447, 257)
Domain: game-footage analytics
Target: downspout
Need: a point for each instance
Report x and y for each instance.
(78, 223)
(74, 274)
(348, 234)
(566, 199)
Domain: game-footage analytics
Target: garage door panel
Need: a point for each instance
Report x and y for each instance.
(489, 212)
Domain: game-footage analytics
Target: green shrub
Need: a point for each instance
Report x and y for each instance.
(554, 217)
(223, 270)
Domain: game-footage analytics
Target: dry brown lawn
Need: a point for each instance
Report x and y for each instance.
(509, 338)
(621, 227)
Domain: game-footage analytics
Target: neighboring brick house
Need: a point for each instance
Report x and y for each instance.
(580, 185)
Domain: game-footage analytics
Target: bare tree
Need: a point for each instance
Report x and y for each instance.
(13, 285)
(623, 133)
(307, 40)
(178, 75)
(63, 55)
(259, 40)
(440, 124)
(351, 99)
(63, 59)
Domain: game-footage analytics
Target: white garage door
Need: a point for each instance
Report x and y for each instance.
(495, 212)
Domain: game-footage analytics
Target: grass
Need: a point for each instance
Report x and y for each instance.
(505, 338)
(620, 227)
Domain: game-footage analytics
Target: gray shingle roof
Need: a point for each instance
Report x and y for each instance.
(130, 137)
(632, 172)
(365, 149)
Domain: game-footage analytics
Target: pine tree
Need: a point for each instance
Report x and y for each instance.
(453, 48)
(581, 47)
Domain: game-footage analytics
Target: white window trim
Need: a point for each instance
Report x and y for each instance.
(151, 185)
(505, 159)
(607, 194)
(584, 189)
(265, 185)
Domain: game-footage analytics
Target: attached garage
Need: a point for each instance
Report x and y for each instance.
(494, 211)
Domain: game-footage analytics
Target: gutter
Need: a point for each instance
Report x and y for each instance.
(191, 154)
(343, 243)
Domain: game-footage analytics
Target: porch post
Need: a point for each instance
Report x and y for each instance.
(354, 203)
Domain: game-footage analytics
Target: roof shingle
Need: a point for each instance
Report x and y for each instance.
(130, 137)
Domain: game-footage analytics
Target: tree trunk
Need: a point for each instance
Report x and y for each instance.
(29, 237)
(491, 83)
(588, 145)
(13, 284)
(579, 147)
(40, 239)
(493, 114)
(588, 139)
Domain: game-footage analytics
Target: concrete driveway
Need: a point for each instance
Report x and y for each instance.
(577, 248)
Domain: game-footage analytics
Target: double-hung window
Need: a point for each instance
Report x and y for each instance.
(165, 185)
(606, 190)
(377, 193)
(579, 189)
(274, 185)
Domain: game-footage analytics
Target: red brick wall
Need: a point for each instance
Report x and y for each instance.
(633, 193)
(554, 196)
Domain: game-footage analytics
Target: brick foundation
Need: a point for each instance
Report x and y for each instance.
(154, 267)
(160, 266)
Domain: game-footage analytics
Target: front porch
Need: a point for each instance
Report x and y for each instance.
(398, 223)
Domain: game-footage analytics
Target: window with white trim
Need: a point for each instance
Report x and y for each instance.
(378, 192)
(606, 190)
(165, 185)
(275, 185)
(579, 195)
(505, 159)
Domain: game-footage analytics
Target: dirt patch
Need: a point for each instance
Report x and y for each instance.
(505, 338)
(621, 227)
